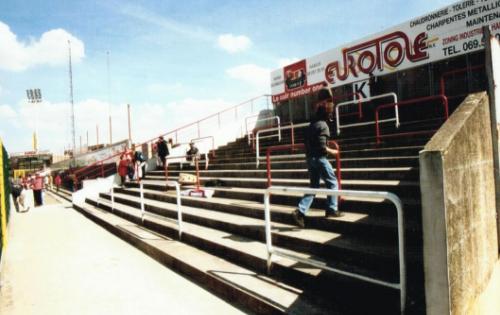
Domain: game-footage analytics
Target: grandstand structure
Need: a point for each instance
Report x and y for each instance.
(415, 123)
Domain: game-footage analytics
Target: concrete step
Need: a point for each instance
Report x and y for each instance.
(353, 223)
(383, 173)
(348, 204)
(351, 250)
(327, 288)
(358, 153)
(401, 188)
(387, 161)
(63, 193)
(253, 291)
(346, 145)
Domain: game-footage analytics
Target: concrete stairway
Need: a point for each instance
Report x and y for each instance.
(222, 246)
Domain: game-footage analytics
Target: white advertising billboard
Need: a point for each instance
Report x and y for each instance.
(445, 33)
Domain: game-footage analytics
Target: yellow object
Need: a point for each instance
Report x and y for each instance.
(35, 142)
(20, 173)
(3, 198)
(186, 179)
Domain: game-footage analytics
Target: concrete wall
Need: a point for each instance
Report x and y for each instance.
(458, 211)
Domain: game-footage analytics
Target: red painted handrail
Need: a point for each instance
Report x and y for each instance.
(175, 131)
(300, 146)
(196, 160)
(446, 74)
(443, 98)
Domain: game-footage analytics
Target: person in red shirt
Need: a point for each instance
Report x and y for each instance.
(123, 166)
(58, 181)
(37, 190)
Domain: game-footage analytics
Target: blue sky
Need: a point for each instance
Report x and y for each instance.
(173, 61)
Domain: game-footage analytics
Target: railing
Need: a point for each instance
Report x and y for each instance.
(301, 146)
(251, 135)
(238, 110)
(442, 82)
(143, 212)
(197, 169)
(401, 285)
(443, 99)
(395, 97)
(204, 138)
(257, 137)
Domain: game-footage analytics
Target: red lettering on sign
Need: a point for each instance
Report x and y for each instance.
(390, 49)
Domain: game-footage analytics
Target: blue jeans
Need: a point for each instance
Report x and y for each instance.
(320, 168)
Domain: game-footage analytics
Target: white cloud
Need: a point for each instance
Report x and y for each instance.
(147, 120)
(6, 112)
(234, 44)
(257, 76)
(50, 49)
(162, 88)
(282, 62)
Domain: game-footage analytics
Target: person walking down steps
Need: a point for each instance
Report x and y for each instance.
(317, 150)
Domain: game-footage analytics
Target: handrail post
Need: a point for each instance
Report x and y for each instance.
(112, 198)
(141, 189)
(197, 173)
(293, 137)
(179, 208)
(268, 167)
(445, 104)
(198, 126)
(401, 285)
(269, 245)
(377, 128)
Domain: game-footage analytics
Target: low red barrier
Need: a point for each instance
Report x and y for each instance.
(442, 81)
(443, 98)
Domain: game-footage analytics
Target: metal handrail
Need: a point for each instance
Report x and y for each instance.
(442, 82)
(257, 145)
(203, 138)
(414, 101)
(396, 112)
(301, 146)
(176, 131)
(277, 118)
(401, 285)
(197, 168)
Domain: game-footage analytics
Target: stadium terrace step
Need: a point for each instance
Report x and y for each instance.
(355, 223)
(365, 152)
(331, 292)
(386, 173)
(352, 250)
(63, 193)
(400, 188)
(388, 161)
(236, 284)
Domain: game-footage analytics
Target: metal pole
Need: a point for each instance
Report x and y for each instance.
(112, 198)
(142, 201)
(179, 209)
(72, 105)
(109, 96)
(97, 134)
(87, 139)
(129, 127)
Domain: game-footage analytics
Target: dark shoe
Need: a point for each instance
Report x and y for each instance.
(298, 218)
(333, 214)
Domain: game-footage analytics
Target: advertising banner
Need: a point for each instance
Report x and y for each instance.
(445, 33)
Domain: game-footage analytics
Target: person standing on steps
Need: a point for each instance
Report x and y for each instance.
(317, 150)
(163, 152)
